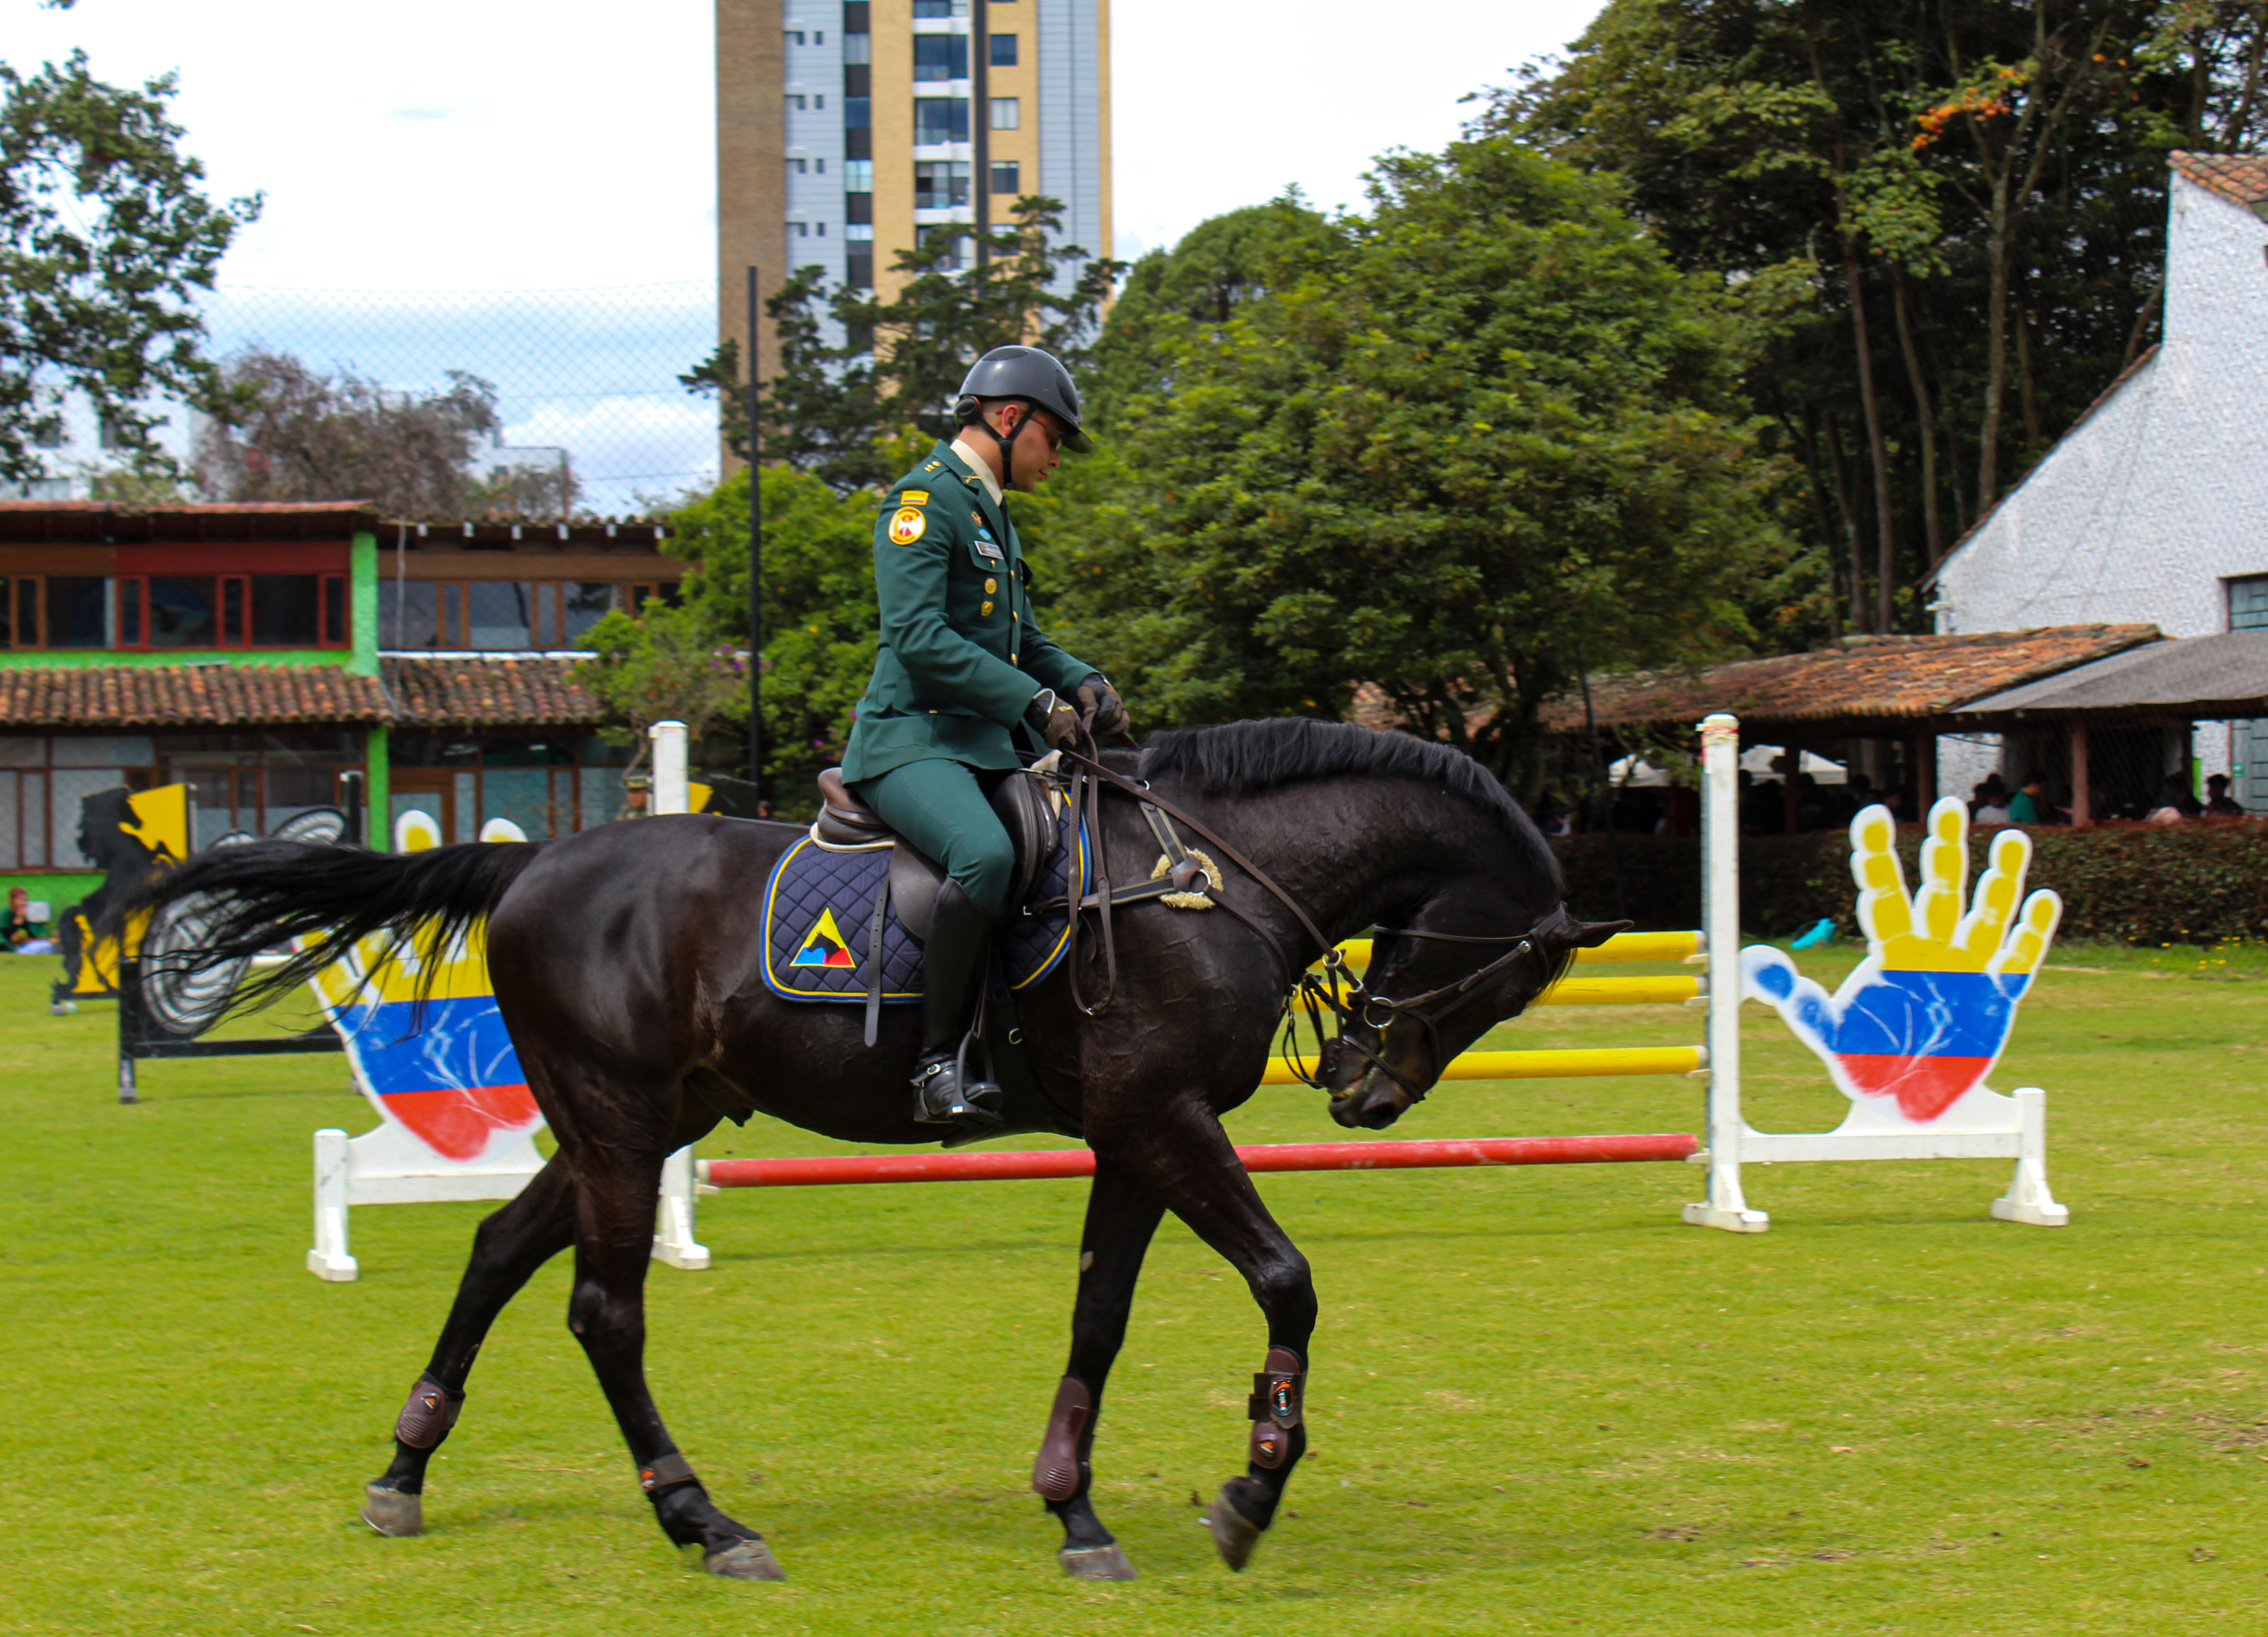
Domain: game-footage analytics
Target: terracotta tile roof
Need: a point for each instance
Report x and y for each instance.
(1870, 680)
(186, 696)
(497, 692)
(2240, 178)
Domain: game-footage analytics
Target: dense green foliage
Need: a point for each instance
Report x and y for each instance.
(1454, 448)
(104, 240)
(821, 627)
(1946, 221)
(2132, 883)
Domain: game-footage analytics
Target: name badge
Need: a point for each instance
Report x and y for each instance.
(985, 544)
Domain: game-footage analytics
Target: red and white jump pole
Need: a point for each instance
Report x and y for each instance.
(977, 1167)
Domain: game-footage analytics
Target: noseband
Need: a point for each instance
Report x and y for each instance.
(1375, 1011)
(1352, 1007)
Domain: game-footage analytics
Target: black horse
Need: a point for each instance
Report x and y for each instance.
(626, 963)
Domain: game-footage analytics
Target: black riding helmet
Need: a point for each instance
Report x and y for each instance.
(1026, 372)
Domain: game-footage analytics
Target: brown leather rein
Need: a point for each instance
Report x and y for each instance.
(1356, 1006)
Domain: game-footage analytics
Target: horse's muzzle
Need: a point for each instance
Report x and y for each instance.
(1374, 1104)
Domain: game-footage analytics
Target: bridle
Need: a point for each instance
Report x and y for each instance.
(1376, 1012)
(1336, 989)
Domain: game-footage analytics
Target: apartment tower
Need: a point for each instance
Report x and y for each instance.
(847, 130)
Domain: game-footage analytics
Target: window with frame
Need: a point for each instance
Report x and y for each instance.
(1007, 176)
(242, 781)
(1004, 50)
(138, 612)
(940, 184)
(940, 56)
(959, 246)
(498, 615)
(2248, 603)
(1007, 114)
(940, 119)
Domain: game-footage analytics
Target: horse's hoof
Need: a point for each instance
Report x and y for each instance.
(390, 1512)
(1233, 1534)
(1095, 1563)
(744, 1560)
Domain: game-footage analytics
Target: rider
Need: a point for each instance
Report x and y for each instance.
(963, 675)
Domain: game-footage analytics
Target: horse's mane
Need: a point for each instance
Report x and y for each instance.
(1245, 758)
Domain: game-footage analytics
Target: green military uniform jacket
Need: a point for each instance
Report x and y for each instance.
(960, 655)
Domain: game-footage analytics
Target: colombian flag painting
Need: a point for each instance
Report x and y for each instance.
(449, 1075)
(1921, 1020)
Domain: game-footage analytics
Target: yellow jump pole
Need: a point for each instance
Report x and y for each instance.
(1570, 1063)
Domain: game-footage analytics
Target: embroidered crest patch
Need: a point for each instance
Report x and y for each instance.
(907, 524)
(825, 946)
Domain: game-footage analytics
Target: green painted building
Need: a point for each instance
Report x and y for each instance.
(260, 653)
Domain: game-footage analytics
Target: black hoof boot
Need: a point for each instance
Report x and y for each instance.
(947, 1093)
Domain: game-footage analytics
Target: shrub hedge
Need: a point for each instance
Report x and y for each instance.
(2135, 883)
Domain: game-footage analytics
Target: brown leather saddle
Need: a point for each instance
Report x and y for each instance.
(1018, 799)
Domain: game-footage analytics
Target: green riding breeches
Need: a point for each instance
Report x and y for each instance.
(940, 806)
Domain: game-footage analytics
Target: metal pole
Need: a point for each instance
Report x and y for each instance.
(755, 567)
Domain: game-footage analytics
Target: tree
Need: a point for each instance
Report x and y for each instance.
(1454, 450)
(901, 358)
(290, 432)
(663, 665)
(104, 239)
(1952, 214)
(819, 623)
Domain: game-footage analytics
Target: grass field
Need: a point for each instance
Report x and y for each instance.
(1539, 1403)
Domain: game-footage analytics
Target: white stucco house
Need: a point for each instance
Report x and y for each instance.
(2154, 506)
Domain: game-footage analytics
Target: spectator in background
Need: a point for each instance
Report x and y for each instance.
(24, 935)
(2175, 803)
(1988, 802)
(2217, 804)
(2030, 805)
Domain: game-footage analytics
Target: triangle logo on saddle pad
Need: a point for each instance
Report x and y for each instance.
(824, 945)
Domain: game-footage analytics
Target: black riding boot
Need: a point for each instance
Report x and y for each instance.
(949, 1087)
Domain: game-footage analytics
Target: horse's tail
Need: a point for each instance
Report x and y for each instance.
(261, 895)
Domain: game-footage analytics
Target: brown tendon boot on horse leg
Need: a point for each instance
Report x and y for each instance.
(1241, 1512)
(424, 1421)
(1060, 1472)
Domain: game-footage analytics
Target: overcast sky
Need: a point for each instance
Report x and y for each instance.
(531, 148)
(487, 145)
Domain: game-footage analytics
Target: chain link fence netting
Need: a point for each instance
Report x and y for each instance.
(514, 398)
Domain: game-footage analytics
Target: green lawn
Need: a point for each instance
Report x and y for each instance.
(1539, 1403)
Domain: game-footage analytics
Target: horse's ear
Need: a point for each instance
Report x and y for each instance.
(1591, 934)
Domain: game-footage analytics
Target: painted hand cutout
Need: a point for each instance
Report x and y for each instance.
(1925, 1014)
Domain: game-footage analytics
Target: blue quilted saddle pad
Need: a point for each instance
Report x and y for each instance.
(819, 916)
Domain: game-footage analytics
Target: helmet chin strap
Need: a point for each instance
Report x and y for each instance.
(1007, 442)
